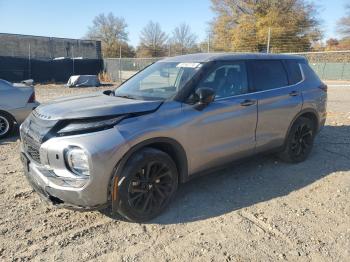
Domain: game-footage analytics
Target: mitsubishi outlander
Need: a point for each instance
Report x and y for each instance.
(131, 147)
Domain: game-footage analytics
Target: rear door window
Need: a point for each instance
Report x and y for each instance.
(268, 74)
(294, 72)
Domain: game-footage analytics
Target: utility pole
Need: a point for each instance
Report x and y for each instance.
(268, 40)
(29, 62)
(208, 43)
(154, 46)
(120, 62)
(73, 57)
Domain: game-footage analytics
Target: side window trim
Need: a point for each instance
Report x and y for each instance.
(303, 78)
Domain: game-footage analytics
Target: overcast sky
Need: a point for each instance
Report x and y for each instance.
(71, 18)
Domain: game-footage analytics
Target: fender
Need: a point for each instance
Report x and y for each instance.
(303, 111)
(9, 114)
(177, 151)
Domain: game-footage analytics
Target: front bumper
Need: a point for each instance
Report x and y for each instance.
(51, 195)
(104, 148)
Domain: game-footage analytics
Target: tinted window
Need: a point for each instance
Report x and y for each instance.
(268, 75)
(228, 79)
(293, 71)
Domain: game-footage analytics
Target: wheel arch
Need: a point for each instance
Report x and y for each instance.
(309, 113)
(9, 114)
(168, 145)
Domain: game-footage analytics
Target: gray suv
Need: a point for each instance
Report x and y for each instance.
(129, 148)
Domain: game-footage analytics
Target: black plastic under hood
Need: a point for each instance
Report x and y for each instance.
(92, 105)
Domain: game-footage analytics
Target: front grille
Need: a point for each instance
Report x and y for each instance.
(32, 148)
(33, 131)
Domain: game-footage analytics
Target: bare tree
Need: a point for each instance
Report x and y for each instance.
(183, 39)
(152, 41)
(344, 24)
(111, 31)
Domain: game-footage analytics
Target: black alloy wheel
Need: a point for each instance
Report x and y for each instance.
(300, 141)
(150, 187)
(6, 125)
(149, 182)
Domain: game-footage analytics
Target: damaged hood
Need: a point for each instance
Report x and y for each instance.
(92, 105)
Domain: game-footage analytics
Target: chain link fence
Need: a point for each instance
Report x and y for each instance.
(120, 69)
(331, 65)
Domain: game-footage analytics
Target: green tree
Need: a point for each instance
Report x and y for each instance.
(153, 41)
(243, 25)
(111, 31)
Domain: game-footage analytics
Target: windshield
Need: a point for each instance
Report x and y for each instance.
(159, 81)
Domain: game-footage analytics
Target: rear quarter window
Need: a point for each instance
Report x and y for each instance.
(309, 73)
(294, 72)
(268, 74)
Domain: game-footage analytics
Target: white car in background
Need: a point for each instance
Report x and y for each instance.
(16, 102)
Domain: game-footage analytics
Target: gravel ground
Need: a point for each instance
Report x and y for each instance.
(257, 210)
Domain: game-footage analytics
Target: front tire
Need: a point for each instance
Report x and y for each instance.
(6, 125)
(300, 141)
(147, 184)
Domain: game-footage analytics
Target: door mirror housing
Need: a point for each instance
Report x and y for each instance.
(204, 96)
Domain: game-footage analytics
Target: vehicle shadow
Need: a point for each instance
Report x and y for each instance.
(258, 179)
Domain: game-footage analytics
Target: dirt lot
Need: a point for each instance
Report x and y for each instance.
(258, 210)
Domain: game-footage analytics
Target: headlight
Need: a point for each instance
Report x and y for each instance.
(77, 161)
(89, 126)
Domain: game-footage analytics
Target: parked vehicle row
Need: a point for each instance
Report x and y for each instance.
(129, 148)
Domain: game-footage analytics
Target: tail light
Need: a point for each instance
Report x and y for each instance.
(323, 87)
(32, 98)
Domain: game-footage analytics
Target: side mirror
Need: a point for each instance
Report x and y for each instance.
(109, 92)
(205, 97)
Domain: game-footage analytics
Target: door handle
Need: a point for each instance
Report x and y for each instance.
(294, 93)
(248, 102)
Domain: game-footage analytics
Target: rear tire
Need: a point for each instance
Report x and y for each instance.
(299, 142)
(6, 124)
(147, 184)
